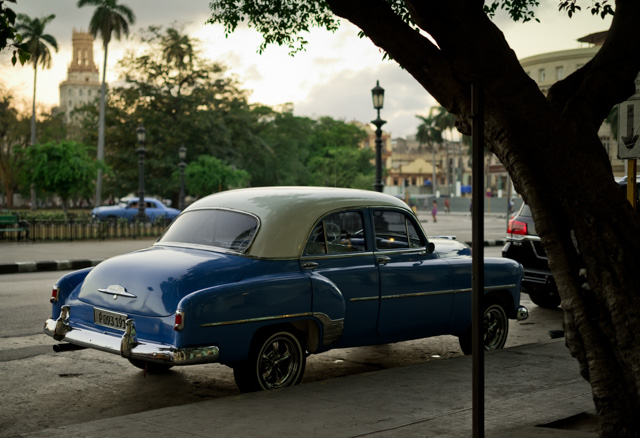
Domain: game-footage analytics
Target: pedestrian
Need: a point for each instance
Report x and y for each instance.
(434, 211)
(447, 205)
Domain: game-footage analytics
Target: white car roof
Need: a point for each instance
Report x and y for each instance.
(287, 213)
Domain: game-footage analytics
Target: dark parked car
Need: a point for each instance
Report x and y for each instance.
(127, 208)
(258, 278)
(524, 246)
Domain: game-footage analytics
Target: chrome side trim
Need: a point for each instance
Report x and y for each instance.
(418, 294)
(438, 292)
(261, 319)
(331, 328)
(365, 299)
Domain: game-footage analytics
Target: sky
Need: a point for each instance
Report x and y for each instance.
(333, 77)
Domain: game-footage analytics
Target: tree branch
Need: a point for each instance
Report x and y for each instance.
(581, 95)
(413, 51)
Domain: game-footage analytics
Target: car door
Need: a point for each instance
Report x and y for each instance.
(416, 287)
(341, 263)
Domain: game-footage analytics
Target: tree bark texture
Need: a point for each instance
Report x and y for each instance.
(550, 147)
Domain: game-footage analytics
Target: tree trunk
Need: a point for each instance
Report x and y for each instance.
(551, 149)
(103, 93)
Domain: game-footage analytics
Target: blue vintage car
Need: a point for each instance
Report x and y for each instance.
(127, 208)
(256, 278)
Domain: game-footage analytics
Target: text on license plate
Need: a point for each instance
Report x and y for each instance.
(109, 319)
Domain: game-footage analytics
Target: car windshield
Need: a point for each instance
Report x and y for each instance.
(221, 228)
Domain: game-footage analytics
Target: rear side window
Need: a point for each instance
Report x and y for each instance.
(394, 230)
(221, 228)
(337, 234)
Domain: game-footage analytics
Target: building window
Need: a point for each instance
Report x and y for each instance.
(89, 93)
(80, 92)
(542, 75)
(559, 73)
(70, 92)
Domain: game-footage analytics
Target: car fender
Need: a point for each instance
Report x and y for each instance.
(66, 285)
(230, 315)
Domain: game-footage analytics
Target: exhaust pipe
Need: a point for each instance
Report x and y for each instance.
(59, 348)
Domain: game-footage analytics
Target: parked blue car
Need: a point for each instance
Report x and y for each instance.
(257, 278)
(127, 208)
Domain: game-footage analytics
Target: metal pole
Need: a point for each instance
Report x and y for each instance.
(141, 205)
(181, 200)
(477, 280)
(378, 184)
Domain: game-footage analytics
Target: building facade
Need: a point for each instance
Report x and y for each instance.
(548, 68)
(82, 85)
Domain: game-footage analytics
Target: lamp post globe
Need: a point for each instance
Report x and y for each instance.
(141, 135)
(377, 95)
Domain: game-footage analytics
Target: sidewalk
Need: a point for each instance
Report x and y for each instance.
(531, 391)
(18, 257)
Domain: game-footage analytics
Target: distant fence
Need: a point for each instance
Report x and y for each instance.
(87, 229)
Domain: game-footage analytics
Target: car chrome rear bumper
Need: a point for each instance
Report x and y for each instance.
(128, 345)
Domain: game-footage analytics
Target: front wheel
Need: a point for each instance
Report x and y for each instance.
(496, 330)
(275, 361)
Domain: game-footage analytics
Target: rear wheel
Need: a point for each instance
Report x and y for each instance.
(496, 330)
(150, 367)
(276, 360)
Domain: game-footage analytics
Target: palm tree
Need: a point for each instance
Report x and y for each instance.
(446, 122)
(109, 18)
(430, 133)
(178, 51)
(37, 42)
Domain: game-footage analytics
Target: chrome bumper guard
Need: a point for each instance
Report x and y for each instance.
(128, 345)
(522, 313)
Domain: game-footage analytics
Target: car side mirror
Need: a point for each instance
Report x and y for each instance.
(431, 247)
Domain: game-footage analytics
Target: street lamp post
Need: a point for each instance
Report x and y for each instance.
(141, 133)
(182, 153)
(377, 94)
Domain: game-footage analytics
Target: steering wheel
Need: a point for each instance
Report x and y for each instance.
(333, 232)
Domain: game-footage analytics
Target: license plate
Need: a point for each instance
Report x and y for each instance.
(109, 319)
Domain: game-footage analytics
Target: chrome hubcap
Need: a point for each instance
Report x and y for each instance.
(495, 328)
(279, 362)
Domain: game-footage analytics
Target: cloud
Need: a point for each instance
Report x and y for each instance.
(347, 96)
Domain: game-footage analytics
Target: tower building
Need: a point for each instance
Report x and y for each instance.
(82, 85)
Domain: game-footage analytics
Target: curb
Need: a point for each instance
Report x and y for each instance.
(47, 265)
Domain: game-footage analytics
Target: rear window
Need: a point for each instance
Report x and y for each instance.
(525, 211)
(220, 228)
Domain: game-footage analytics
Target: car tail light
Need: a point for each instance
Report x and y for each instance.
(179, 321)
(54, 294)
(517, 227)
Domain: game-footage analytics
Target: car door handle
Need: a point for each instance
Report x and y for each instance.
(309, 265)
(383, 260)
